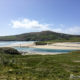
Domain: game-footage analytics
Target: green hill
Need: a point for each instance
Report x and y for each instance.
(41, 36)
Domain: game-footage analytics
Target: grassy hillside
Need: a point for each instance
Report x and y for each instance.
(41, 36)
(39, 67)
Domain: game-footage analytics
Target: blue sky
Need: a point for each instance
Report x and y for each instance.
(20, 16)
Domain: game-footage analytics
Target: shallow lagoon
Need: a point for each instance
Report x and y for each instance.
(26, 49)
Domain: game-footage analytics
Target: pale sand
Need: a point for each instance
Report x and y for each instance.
(21, 45)
(64, 45)
(39, 53)
(73, 46)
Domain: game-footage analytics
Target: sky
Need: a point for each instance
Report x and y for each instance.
(24, 16)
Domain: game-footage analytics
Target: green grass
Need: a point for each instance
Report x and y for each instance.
(39, 67)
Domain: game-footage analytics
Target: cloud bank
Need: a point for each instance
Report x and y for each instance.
(75, 30)
(29, 24)
(35, 25)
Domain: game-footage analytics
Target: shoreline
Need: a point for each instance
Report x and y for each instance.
(40, 53)
(61, 46)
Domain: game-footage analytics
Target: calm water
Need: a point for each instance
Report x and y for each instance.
(6, 43)
(25, 49)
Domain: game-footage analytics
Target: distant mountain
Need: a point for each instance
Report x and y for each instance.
(40, 36)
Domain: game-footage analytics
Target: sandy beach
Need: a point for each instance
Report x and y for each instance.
(63, 45)
(40, 53)
(59, 45)
(67, 45)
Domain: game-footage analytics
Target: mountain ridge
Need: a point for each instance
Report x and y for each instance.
(39, 36)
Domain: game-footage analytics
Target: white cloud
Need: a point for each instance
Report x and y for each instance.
(68, 30)
(29, 24)
(34, 25)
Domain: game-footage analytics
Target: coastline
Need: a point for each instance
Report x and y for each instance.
(63, 45)
(40, 53)
(58, 45)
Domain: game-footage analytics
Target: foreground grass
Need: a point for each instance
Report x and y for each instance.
(39, 67)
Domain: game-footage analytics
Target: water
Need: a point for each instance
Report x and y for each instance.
(6, 43)
(33, 50)
(26, 49)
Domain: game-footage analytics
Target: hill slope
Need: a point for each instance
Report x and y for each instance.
(40, 36)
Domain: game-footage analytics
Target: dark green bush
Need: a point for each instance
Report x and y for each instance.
(41, 43)
(9, 50)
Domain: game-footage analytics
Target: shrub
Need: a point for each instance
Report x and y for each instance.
(40, 43)
(9, 50)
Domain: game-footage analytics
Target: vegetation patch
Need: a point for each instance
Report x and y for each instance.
(39, 67)
(9, 50)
